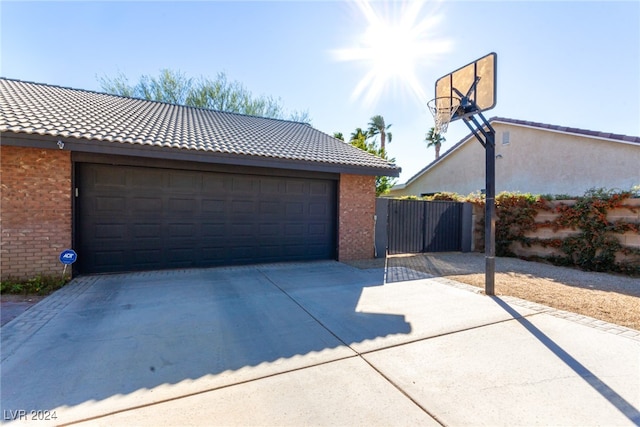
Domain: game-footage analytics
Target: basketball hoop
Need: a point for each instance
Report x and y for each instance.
(443, 108)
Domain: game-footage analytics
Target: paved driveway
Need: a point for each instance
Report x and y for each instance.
(308, 344)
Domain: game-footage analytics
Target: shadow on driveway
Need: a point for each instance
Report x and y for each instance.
(588, 376)
(139, 332)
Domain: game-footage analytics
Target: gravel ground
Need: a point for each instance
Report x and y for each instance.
(609, 297)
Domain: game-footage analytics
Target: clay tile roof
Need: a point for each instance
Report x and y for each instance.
(41, 109)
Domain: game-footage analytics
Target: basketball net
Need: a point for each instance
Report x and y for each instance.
(443, 109)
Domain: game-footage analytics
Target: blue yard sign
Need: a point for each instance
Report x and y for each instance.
(68, 256)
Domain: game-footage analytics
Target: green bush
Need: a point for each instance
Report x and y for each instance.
(39, 285)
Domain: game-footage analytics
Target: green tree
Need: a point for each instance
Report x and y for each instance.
(434, 139)
(169, 86)
(377, 126)
(359, 138)
(363, 140)
(338, 135)
(213, 93)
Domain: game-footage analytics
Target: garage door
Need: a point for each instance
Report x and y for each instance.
(138, 218)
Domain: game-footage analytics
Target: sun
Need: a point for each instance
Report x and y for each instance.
(394, 47)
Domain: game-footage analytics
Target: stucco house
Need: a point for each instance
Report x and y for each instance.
(533, 158)
(132, 185)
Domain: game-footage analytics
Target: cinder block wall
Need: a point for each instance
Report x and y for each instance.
(356, 209)
(35, 211)
(629, 213)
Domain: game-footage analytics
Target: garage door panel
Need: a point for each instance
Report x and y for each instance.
(212, 206)
(180, 231)
(319, 188)
(271, 187)
(105, 260)
(104, 178)
(106, 204)
(145, 204)
(163, 218)
(270, 251)
(243, 207)
(214, 255)
(146, 178)
(244, 252)
(294, 230)
(269, 230)
(244, 184)
(294, 210)
(295, 251)
(270, 208)
(239, 231)
(214, 230)
(181, 206)
(179, 255)
(318, 230)
(295, 188)
(146, 257)
(110, 231)
(316, 250)
(147, 231)
(216, 184)
(184, 182)
(318, 210)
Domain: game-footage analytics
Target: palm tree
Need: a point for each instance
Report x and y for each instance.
(378, 127)
(434, 139)
(359, 138)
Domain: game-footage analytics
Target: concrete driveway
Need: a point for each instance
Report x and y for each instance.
(309, 344)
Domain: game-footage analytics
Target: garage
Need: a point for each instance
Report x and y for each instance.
(137, 185)
(132, 218)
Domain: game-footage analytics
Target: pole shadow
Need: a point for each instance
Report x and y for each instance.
(626, 408)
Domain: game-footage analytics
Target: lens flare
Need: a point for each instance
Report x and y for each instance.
(394, 47)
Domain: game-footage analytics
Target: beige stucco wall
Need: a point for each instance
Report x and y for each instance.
(461, 172)
(535, 161)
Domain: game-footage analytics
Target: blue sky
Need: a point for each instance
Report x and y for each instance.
(571, 63)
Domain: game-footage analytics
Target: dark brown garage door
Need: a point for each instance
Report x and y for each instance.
(137, 218)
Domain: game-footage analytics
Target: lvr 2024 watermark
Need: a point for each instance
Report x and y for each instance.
(23, 415)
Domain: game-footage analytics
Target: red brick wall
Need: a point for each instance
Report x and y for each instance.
(356, 209)
(35, 211)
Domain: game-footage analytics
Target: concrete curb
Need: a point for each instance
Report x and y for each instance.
(611, 328)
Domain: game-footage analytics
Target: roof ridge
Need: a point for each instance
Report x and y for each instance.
(573, 130)
(149, 100)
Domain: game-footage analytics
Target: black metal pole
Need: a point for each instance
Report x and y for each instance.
(489, 214)
(489, 145)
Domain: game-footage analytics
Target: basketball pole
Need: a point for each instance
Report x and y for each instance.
(466, 106)
(489, 144)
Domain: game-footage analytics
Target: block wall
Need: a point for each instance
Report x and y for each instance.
(629, 213)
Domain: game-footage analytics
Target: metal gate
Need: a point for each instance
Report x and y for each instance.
(420, 226)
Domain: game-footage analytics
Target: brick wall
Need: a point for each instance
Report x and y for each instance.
(356, 209)
(35, 211)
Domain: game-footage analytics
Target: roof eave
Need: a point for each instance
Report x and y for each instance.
(136, 150)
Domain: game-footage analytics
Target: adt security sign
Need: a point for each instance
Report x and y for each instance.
(68, 256)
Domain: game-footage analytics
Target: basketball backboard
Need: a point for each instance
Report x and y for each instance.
(472, 86)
